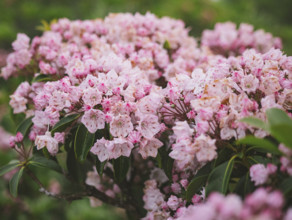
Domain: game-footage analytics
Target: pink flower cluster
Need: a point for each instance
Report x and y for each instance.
(205, 108)
(143, 83)
(261, 204)
(225, 39)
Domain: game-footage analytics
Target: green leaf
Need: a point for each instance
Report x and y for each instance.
(261, 145)
(121, 167)
(42, 78)
(8, 167)
(84, 140)
(44, 162)
(25, 126)
(278, 117)
(220, 176)
(283, 134)
(64, 123)
(255, 159)
(100, 166)
(286, 186)
(165, 162)
(166, 45)
(198, 181)
(62, 158)
(280, 125)
(244, 186)
(13, 183)
(255, 122)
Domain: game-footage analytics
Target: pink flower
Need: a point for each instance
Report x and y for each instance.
(119, 147)
(259, 174)
(173, 202)
(92, 97)
(93, 120)
(47, 141)
(22, 42)
(149, 148)
(149, 126)
(100, 149)
(121, 126)
(18, 137)
(204, 148)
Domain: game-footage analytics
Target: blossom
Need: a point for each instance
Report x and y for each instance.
(101, 150)
(93, 119)
(92, 97)
(149, 126)
(119, 147)
(149, 148)
(121, 125)
(47, 141)
(259, 174)
(204, 148)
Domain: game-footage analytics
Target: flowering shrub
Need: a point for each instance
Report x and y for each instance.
(138, 114)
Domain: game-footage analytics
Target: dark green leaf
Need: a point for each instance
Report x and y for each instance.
(165, 162)
(8, 167)
(286, 186)
(244, 186)
(44, 162)
(25, 126)
(64, 123)
(84, 140)
(121, 167)
(62, 158)
(198, 181)
(255, 159)
(13, 183)
(100, 166)
(255, 122)
(42, 78)
(223, 156)
(220, 176)
(260, 144)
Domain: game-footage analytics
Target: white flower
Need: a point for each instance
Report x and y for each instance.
(100, 149)
(149, 148)
(93, 119)
(48, 141)
(121, 126)
(149, 126)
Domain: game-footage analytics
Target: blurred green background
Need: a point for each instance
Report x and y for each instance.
(25, 15)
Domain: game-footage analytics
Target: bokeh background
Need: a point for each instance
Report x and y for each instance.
(25, 15)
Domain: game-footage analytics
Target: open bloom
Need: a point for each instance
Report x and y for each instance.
(93, 119)
(48, 141)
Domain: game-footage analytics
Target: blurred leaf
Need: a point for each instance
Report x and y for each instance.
(220, 176)
(62, 158)
(121, 167)
(8, 167)
(25, 126)
(44, 162)
(244, 186)
(255, 159)
(165, 162)
(286, 186)
(280, 126)
(255, 122)
(13, 183)
(64, 123)
(84, 140)
(260, 144)
(100, 166)
(198, 181)
(42, 78)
